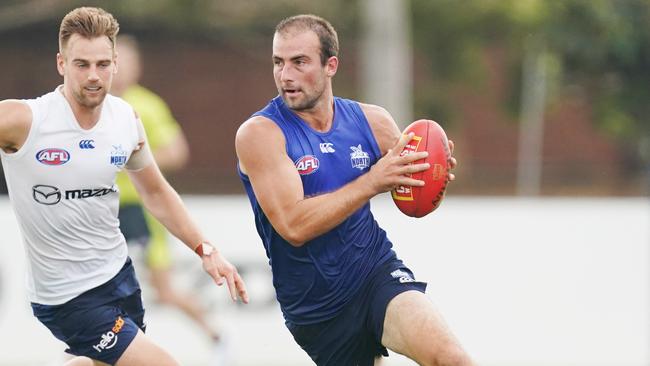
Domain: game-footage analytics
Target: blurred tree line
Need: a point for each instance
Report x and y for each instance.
(598, 49)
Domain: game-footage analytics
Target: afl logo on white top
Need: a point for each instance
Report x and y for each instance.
(46, 195)
(53, 156)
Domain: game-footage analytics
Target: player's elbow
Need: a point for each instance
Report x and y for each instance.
(293, 237)
(289, 227)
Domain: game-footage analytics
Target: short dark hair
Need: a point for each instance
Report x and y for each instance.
(329, 40)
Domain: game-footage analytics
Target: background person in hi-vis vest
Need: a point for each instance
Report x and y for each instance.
(171, 151)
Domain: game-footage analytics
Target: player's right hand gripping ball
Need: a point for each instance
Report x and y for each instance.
(420, 201)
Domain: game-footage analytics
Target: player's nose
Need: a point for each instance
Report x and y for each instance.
(93, 75)
(286, 75)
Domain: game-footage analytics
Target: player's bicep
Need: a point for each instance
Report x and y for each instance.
(383, 126)
(278, 190)
(262, 157)
(15, 123)
(141, 157)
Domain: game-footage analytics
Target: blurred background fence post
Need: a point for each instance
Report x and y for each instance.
(386, 36)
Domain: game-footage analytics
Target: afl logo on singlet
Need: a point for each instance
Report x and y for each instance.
(307, 164)
(53, 156)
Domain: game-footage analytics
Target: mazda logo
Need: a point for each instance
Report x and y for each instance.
(46, 195)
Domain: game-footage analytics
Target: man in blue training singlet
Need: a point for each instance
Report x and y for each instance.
(310, 162)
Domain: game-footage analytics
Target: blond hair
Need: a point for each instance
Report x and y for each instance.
(89, 23)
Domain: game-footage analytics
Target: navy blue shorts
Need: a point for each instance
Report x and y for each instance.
(101, 322)
(353, 337)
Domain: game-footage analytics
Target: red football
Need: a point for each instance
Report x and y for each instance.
(420, 201)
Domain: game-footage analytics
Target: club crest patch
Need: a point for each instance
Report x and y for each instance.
(118, 156)
(359, 158)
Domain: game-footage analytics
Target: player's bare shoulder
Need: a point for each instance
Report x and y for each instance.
(256, 139)
(256, 129)
(382, 124)
(15, 122)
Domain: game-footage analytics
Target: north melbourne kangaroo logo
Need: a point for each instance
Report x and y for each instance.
(359, 158)
(118, 156)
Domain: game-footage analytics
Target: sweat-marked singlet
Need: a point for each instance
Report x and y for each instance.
(61, 185)
(313, 282)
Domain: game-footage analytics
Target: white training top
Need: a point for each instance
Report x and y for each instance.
(61, 185)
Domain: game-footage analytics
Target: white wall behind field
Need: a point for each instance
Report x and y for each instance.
(539, 282)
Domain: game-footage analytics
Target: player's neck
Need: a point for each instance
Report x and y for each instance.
(321, 116)
(87, 117)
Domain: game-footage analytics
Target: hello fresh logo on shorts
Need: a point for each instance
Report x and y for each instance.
(403, 276)
(109, 339)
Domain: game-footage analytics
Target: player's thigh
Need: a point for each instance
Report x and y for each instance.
(84, 361)
(143, 352)
(414, 328)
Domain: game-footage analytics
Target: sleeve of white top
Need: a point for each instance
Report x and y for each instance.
(141, 157)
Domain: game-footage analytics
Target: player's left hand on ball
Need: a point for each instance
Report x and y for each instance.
(452, 160)
(222, 271)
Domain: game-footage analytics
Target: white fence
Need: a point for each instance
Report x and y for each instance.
(547, 282)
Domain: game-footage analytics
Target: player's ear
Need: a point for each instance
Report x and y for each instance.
(332, 65)
(60, 63)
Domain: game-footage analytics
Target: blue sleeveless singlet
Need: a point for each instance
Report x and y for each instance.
(313, 282)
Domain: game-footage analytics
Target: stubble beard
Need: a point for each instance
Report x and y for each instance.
(309, 101)
(88, 102)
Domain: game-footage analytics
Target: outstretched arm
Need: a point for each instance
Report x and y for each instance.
(15, 122)
(165, 205)
(261, 151)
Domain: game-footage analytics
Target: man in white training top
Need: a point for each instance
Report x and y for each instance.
(60, 154)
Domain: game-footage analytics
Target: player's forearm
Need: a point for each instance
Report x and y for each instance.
(314, 216)
(168, 208)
